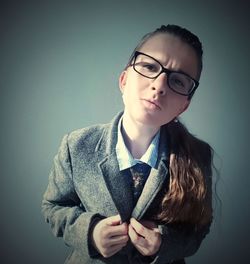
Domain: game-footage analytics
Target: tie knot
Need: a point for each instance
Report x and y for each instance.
(141, 167)
(139, 172)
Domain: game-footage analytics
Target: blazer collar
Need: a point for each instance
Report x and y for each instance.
(108, 140)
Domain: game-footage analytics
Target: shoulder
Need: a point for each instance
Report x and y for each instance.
(87, 133)
(86, 138)
(82, 139)
(90, 139)
(202, 153)
(200, 145)
(185, 143)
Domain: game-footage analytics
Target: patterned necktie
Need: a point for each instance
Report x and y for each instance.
(139, 173)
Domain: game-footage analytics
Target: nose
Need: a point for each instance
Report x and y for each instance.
(159, 84)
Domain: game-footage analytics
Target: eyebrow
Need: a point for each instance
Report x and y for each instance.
(180, 71)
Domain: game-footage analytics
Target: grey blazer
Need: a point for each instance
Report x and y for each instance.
(85, 184)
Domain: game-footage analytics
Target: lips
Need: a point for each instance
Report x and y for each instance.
(153, 103)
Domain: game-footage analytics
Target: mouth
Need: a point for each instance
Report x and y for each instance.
(152, 104)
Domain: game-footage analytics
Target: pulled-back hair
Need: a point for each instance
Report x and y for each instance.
(182, 33)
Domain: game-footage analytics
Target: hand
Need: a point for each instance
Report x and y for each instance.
(110, 236)
(145, 236)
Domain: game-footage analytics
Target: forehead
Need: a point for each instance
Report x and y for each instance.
(172, 52)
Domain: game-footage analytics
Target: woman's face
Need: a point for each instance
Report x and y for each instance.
(150, 101)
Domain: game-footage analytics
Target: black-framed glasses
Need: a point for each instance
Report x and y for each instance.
(151, 68)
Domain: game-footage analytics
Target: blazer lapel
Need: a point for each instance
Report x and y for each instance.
(156, 177)
(118, 186)
(150, 190)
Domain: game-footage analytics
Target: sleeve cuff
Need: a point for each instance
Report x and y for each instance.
(93, 253)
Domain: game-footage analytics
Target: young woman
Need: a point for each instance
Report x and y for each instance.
(137, 190)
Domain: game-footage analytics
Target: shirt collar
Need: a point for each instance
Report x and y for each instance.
(124, 157)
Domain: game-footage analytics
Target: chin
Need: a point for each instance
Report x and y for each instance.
(149, 121)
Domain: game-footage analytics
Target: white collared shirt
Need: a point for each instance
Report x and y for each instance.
(124, 157)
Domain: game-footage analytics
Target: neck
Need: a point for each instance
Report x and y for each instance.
(137, 136)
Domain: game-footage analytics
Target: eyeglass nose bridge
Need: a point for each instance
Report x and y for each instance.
(167, 72)
(163, 70)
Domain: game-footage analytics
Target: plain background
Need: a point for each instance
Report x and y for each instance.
(59, 68)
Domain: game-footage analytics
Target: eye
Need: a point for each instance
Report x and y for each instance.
(177, 82)
(146, 66)
(150, 67)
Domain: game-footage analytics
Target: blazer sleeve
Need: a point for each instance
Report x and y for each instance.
(63, 209)
(179, 243)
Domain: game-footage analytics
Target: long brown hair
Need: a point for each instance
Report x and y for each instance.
(188, 198)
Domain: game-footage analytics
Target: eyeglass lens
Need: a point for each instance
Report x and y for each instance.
(150, 68)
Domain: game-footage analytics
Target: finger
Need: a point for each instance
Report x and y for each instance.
(150, 225)
(138, 242)
(113, 220)
(117, 230)
(139, 228)
(156, 230)
(110, 251)
(117, 240)
(147, 245)
(135, 238)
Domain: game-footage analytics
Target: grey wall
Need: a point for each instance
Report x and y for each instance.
(59, 68)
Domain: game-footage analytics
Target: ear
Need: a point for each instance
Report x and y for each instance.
(122, 80)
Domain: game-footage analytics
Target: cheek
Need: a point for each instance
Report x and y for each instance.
(127, 95)
(124, 97)
(175, 103)
(130, 92)
(136, 82)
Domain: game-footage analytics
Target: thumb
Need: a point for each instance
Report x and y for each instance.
(114, 220)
